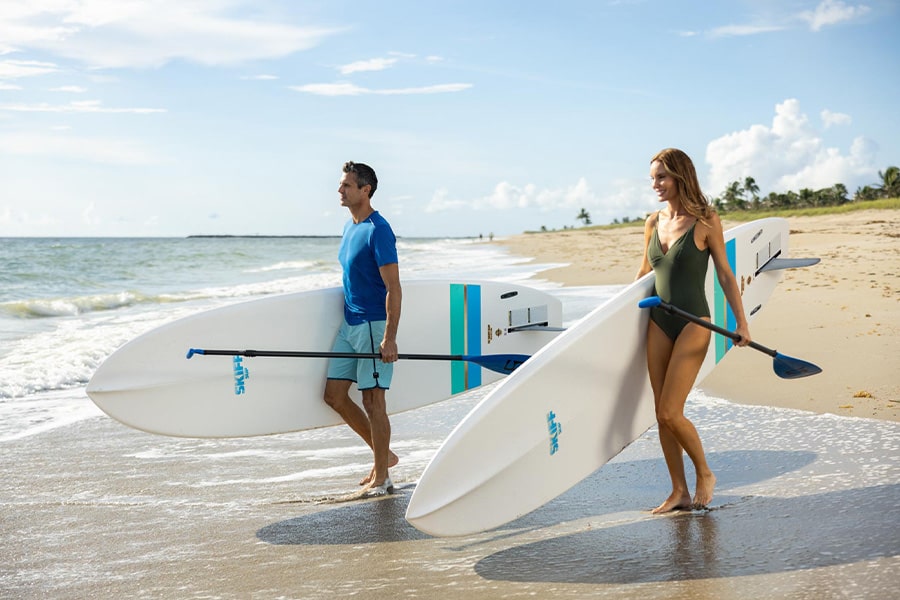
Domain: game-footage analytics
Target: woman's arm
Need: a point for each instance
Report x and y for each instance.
(649, 224)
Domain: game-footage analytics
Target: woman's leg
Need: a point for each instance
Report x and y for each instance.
(659, 352)
(688, 353)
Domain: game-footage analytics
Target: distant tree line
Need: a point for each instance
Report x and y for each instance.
(745, 195)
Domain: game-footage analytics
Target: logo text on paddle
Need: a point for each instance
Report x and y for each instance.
(241, 375)
(555, 430)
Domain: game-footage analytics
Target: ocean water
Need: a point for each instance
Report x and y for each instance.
(807, 505)
(67, 303)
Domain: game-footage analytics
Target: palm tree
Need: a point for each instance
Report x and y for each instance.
(839, 193)
(890, 182)
(750, 186)
(734, 196)
(584, 216)
(807, 198)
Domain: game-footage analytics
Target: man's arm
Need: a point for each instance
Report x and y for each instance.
(390, 274)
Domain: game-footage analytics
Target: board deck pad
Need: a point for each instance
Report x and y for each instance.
(575, 404)
(148, 384)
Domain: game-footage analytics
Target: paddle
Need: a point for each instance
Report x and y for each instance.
(784, 366)
(501, 363)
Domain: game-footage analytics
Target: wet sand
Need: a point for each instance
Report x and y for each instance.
(807, 507)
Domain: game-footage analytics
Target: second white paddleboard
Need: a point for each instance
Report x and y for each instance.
(577, 403)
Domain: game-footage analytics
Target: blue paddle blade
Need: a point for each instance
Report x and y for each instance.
(793, 368)
(501, 363)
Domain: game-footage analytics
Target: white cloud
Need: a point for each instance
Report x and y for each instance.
(832, 12)
(69, 89)
(13, 69)
(330, 89)
(351, 89)
(507, 196)
(443, 88)
(60, 145)
(831, 119)
(88, 215)
(25, 220)
(373, 64)
(628, 199)
(741, 30)
(85, 106)
(828, 12)
(112, 34)
(788, 155)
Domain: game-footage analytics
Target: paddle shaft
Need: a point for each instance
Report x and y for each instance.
(314, 354)
(713, 327)
(501, 363)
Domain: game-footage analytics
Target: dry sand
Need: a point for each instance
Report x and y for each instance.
(842, 314)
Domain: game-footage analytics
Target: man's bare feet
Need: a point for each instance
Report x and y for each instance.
(705, 486)
(677, 501)
(393, 459)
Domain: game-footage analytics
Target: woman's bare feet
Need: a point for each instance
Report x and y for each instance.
(677, 501)
(705, 486)
(393, 459)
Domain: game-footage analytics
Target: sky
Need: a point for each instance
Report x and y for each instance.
(181, 117)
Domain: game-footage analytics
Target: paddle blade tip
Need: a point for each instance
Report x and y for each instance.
(192, 351)
(787, 367)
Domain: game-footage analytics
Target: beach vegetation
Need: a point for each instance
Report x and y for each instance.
(741, 201)
(744, 196)
(584, 216)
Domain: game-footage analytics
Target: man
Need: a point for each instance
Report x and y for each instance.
(372, 298)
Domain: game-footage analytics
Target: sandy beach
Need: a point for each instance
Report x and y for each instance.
(807, 501)
(842, 314)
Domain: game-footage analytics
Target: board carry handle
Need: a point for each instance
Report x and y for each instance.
(501, 363)
(785, 367)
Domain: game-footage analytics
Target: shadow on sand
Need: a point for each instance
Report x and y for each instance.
(626, 484)
(755, 536)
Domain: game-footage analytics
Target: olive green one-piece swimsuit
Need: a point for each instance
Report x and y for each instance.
(680, 280)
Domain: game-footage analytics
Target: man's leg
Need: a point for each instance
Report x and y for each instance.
(380, 434)
(337, 397)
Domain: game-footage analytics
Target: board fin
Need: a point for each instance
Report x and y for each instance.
(777, 264)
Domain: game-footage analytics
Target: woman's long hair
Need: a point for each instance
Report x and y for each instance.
(679, 165)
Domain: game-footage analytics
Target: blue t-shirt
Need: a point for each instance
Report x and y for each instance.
(365, 247)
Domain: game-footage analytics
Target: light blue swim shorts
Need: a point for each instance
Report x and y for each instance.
(367, 373)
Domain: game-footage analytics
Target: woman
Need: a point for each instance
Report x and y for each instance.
(678, 241)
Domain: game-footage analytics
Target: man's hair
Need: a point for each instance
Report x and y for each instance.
(365, 175)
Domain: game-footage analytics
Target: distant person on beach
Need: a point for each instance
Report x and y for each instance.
(372, 297)
(678, 241)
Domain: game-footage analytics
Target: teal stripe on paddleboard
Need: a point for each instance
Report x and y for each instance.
(723, 316)
(457, 336)
(473, 333)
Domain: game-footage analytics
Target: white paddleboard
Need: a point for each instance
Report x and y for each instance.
(575, 404)
(149, 384)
